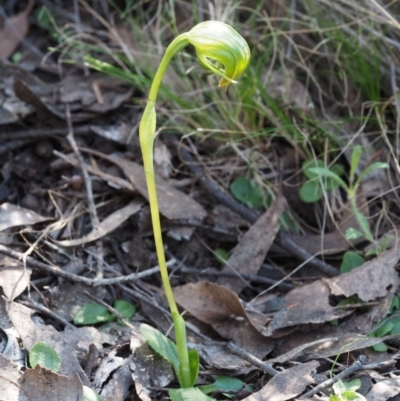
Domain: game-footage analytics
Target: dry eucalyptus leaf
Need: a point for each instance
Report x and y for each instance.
(249, 254)
(384, 390)
(14, 31)
(34, 94)
(31, 333)
(117, 388)
(110, 223)
(221, 308)
(287, 384)
(14, 279)
(9, 378)
(41, 384)
(311, 303)
(108, 365)
(119, 133)
(174, 204)
(15, 216)
(150, 369)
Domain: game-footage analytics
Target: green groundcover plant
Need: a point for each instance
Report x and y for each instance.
(223, 51)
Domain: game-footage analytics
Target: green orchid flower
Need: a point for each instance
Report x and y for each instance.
(221, 50)
(220, 42)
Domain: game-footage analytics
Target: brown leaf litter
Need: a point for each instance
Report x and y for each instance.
(250, 252)
(14, 31)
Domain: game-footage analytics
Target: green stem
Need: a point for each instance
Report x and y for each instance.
(147, 136)
(147, 133)
(181, 345)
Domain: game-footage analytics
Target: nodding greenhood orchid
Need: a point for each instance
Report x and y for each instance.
(221, 50)
(217, 41)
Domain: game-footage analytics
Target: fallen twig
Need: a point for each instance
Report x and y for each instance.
(89, 190)
(42, 309)
(252, 359)
(57, 271)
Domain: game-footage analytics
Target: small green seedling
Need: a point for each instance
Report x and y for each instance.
(351, 189)
(247, 192)
(224, 383)
(313, 189)
(46, 356)
(388, 326)
(252, 195)
(221, 255)
(221, 50)
(94, 313)
(347, 391)
(350, 261)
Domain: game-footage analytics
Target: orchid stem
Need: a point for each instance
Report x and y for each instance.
(221, 50)
(146, 137)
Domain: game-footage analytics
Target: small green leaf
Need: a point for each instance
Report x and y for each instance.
(384, 329)
(223, 383)
(228, 383)
(380, 347)
(44, 355)
(247, 192)
(354, 160)
(309, 164)
(93, 313)
(311, 192)
(352, 234)
(188, 394)
(350, 261)
(221, 255)
(288, 222)
(350, 300)
(347, 391)
(90, 395)
(16, 57)
(44, 18)
(364, 225)
(125, 308)
(342, 386)
(395, 304)
(325, 172)
(396, 325)
(194, 365)
(331, 184)
(372, 167)
(381, 247)
(161, 344)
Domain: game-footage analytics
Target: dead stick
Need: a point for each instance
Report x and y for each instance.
(252, 359)
(41, 308)
(89, 189)
(57, 271)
